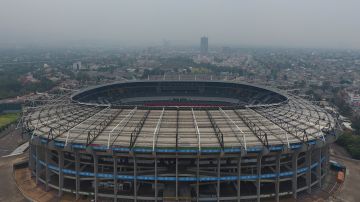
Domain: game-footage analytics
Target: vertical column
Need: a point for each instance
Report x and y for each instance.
(115, 179)
(294, 176)
(77, 170)
(37, 165)
(156, 173)
(61, 174)
(95, 157)
(47, 172)
(197, 177)
(327, 158)
(308, 173)
(177, 176)
(135, 176)
(218, 179)
(31, 158)
(319, 168)
(238, 179)
(277, 182)
(258, 180)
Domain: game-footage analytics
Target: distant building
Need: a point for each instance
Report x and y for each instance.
(226, 50)
(77, 65)
(353, 98)
(204, 43)
(28, 78)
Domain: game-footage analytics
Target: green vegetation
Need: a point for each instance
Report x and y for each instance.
(177, 64)
(8, 119)
(199, 70)
(355, 124)
(344, 108)
(351, 143)
(82, 76)
(11, 85)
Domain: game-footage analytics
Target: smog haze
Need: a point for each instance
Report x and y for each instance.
(278, 23)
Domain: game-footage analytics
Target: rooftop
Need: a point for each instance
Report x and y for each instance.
(295, 121)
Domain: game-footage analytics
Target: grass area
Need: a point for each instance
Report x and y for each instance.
(351, 143)
(6, 119)
(200, 70)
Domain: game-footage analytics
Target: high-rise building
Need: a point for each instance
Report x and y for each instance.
(204, 45)
(77, 65)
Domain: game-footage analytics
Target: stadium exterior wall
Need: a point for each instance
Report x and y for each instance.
(134, 176)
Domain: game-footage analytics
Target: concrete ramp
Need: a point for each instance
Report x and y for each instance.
(21, 149)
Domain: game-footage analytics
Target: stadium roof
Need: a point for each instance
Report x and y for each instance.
(296, 121)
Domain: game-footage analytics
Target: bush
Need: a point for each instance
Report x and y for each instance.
(351, 143)
(355, 124)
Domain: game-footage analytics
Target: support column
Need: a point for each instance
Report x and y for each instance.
(115, 179)
(61, 174)
(238, 179)
(308, 173)
(177, 176)
(197, 177)
(37, 165)
(218, 179)
(95, 177)
(77, 169)
(156, 173)
(135, 180)
(294, 176)
(327, 158)
(319, 168)
(258, 180)
(31, 158)
(277, 182)
(47, 172)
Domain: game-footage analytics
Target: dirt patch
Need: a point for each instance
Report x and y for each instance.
(349, 192)
(29, 188)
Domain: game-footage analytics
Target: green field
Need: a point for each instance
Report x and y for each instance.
(8, 118)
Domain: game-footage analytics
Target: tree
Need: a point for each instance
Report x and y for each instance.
(326, 85)
(344, 107)
(285, 77)
(82, 76)
(351, 143)
(355, 124)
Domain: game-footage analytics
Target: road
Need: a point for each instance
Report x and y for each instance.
(8, 188)
(350, 191)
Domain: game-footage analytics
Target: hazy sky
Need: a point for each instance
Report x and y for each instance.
(292, 23)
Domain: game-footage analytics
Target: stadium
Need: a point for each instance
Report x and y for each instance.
(180, 141)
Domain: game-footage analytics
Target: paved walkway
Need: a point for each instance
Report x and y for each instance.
(19, 150)
(8, 188)
(9, 141)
